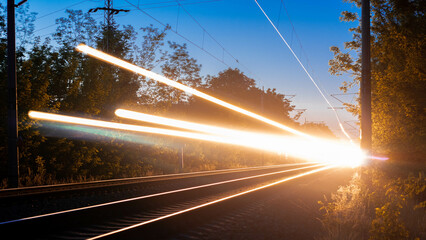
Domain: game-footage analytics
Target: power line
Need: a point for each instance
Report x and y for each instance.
(306, 71)
(185, 38)
(214, 39)
(55, 25)
(295, 33)
(72, 5)
(174, 5)
(341, 94)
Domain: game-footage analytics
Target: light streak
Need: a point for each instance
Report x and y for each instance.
(211, 202)
(163, 193)
(313, 151)
(127, 127)
(307, 73)
(131, 67)
(379, 158)
(320, 150)
(144, 117)
(329, 148)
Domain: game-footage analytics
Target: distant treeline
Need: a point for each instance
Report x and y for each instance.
(53, 77)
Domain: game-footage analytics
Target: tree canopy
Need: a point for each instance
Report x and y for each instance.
(53, 77)
(398, 48)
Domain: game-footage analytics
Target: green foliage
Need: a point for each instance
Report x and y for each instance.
(398, 30)
(233, 86)
(376, 205)
(53, 77)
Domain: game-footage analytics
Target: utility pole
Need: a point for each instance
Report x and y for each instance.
(366, 131)
(109, 11)
(12, 103)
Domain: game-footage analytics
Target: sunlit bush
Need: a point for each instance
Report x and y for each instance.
(376, 206)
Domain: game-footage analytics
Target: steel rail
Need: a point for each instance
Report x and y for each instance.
(46, 189)
(158, 194)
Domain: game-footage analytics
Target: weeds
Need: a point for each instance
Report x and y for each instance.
(375, 206)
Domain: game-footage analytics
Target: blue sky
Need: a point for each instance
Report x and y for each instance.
(243, 30)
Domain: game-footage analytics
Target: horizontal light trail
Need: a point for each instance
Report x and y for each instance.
(179, 123)
(159, 194)
(321, 150)
(123, 64)
(126, 127)
(307, 73)
(212, 202)
(313, 151)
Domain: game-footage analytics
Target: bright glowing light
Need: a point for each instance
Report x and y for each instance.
(211, 202)
(123, 64)
(179, 123)
(379, 158)
(126, 127)
(319, 150)
(337, 156)
(324, 151)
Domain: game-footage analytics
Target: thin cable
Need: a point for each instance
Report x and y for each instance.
(174, 5)
(48, 14)
(297, 36)
(52, 25)
(214, 39)
(307, 73)
(180, 35)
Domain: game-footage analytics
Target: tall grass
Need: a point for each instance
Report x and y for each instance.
(376, 205)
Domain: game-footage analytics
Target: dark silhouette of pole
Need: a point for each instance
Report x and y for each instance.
(12, 105)
(182, 163)
(366, 132)
(109, 11)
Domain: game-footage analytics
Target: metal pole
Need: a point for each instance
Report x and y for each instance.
(182, 164)
(108, 18)
(365, 90)
(12, 108)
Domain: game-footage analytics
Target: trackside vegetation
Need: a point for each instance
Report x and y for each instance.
(386, 200)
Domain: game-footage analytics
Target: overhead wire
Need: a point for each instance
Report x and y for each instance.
(301, 46)
(52, 25)
(306, 71)
(295, 33)
(180, 35)
(72, 5)
(214, 39)
(173, 5)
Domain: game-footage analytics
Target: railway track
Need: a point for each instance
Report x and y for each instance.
(171, 200)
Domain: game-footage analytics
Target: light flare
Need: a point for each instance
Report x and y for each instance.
(328, 152)
(125, 127)
(319, 150)
(204, 128)
(379, 158)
